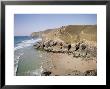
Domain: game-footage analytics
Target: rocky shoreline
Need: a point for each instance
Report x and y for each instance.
(74, 73)
(82, 51)
(69, 50)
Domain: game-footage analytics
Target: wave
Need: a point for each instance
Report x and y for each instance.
(26, 43)
(16, 61)
(36, 72)
(19, 53)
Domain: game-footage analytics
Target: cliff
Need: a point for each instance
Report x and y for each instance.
(36, 34)
(70, 33)
(80, 40)
(70, 50)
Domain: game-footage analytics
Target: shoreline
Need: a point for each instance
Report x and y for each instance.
(70, 50)
(63, 59)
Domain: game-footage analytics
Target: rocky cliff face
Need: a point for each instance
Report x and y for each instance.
(80, 49)
(70, 33)
(79, 40)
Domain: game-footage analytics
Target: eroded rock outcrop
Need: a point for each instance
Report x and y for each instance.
(80, 49)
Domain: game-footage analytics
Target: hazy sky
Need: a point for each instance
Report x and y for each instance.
(25, 24)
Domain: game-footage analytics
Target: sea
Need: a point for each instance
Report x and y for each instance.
(27, 59)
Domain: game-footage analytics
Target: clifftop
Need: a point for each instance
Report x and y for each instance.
(69, 33)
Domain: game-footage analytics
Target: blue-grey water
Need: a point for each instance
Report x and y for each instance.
(27, 60)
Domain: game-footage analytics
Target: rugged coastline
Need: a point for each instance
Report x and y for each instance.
(70, 50)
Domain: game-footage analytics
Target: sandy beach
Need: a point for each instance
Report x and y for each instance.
(65, 64)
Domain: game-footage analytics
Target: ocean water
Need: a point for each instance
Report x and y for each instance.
(27, 60)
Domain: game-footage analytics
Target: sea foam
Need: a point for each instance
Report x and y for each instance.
(26, 43)
(23, 44)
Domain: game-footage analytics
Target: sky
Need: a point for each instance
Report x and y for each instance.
(25, 24)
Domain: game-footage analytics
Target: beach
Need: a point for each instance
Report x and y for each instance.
(69, 50)
(65, 64)
(72, 52)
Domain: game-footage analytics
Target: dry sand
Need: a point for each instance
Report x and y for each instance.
(60, 64)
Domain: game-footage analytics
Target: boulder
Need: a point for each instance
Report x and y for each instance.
(90, 73)
(83, 53)
(83, 46)
(46, 44)
(37, 45)
(76, 54)
(77, 46)
(46, 73)
(69, 47)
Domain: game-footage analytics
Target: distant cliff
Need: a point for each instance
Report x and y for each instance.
(36, 34)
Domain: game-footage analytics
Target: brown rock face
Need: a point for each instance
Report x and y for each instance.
(80, 49)
(69, 33)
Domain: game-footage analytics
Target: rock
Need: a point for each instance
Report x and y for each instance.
(76, 54)
(61, 44)
(46, 73)
(69, 47)
(73, 48)
(74, 73)
(77, 46)
(50, 42)
(64, 50)
(92, 50)
(37, 45)
(46, 44)
(56, 75)
(83, 53)
(79, 49)
(83, 46)
(90, 73)
(55, 43)
(88, 55)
